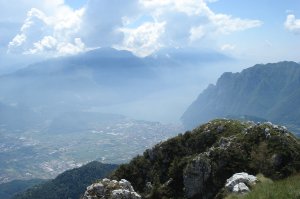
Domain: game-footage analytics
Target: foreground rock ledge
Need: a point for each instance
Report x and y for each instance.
(240, 182)
(111, 189)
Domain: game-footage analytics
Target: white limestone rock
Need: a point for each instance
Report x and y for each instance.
(240, 188)
(237, 181)
(196, 173)
(111, 189)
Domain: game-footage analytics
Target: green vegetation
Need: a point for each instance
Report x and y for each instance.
(70, 184)
(226, 146)
(288, 189)
(7, 190)
(269, 91)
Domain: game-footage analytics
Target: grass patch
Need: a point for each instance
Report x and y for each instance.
(288, 188)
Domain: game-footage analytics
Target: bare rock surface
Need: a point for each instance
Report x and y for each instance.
(240, 182)
(111, 189)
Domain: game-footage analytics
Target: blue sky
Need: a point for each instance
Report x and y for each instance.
(76, 3)
(273, 14)
(255, 30)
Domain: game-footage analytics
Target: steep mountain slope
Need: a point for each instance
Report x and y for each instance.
(196, 164)
(270, 91)
(69, 184)
(8, 190)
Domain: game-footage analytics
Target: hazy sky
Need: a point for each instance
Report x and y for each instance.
(257, 30)
(250, 32)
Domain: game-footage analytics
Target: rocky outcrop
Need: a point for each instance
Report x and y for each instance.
(195, 176)
(111, 189)
(240, 182)
(196, 165)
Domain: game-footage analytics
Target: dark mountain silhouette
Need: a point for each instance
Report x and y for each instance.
(270, 92)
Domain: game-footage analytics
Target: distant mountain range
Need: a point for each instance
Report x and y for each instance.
(102, 76)
(94, 80)
(270, 92)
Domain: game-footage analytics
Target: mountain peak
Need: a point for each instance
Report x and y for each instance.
(107, 52)
(196, 164)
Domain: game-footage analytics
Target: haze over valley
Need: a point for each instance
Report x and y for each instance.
(108, 80)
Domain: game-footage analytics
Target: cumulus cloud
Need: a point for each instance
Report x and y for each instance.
(189, 22)
(197, 33)
(292, 24)
(226, 24)
(43, 34)
(189, 7)
(71, 48)
(141, 26)
(17, 41)
(103, 19)
(143, 40)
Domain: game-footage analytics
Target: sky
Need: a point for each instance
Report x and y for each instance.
(257, 30)
(249, 32)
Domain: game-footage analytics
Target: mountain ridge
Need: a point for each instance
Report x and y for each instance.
(69, 184)
(267, 91)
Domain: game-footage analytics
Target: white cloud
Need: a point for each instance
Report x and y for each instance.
(103, 19)
(50, 46)
(189, 7)
(197, 33)
(43, 34)
(169, 23)
(17, 41)
(48, 43)
(143, 40)
(189, 21)
(292, 24)
(227, 47)
(226, 24)
(141, 26)
(71, 48)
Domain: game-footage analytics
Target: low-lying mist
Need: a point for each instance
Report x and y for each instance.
(156, 88)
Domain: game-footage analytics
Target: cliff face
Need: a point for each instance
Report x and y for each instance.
(268, 91)
(196, 164)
